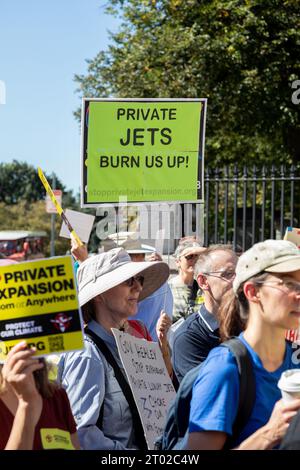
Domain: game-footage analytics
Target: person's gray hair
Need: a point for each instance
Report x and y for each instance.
(204, 262)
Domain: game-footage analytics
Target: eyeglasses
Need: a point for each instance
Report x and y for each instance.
(228, 275)
(189, 257)
(140, 279)
(291, 286)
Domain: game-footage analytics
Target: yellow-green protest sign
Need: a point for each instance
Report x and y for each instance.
(148, 150)
(39, 304)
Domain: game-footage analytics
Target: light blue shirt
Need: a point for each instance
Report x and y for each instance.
(90, 381)
(216, 392)
(149, 309)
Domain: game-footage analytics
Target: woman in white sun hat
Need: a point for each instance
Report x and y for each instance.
(264, 302)
(110, 286)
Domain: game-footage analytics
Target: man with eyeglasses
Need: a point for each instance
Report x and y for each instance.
(214, 272)
(186, 293)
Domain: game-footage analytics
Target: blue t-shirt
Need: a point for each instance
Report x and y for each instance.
(215, 398)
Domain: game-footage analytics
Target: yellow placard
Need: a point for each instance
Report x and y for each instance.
(53, 438)
(38, 303)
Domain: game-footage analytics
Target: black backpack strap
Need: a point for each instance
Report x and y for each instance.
(195, 288)
(247, 387)
(137, 424)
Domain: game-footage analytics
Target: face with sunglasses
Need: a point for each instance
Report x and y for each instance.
(121, 301)
(187, 261)
(140, 279)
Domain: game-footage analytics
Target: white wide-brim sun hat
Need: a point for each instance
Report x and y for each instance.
(129, 241)
(102, 272)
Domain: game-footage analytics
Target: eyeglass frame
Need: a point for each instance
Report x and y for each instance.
(281, 283)
(212, 273)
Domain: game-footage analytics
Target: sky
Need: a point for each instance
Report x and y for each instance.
(43, 43)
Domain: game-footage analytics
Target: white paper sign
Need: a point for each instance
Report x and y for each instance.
(149, 380)
(292, 234)
(81, 223)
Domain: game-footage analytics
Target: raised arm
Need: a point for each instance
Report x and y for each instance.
(162, 327)
(18, 380)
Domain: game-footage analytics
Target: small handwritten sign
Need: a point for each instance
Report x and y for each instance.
(292, 234)
(149, 380)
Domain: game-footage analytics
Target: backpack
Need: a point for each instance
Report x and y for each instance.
(175, 432)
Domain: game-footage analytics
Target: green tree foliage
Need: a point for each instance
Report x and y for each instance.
(242, 55)
(22, 204)
(19, 181)
(33, 216)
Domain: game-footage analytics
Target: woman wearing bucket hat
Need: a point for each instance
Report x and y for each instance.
(156, 309)
(109, 287)
(265, 302)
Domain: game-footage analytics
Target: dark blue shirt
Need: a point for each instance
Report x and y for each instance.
(193, 340)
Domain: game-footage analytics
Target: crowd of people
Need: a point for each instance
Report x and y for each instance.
(216, 295)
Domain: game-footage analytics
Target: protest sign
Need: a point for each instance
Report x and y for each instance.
(38, 303)
(292, 234)
(149, 380)
(50, 207)
(142, 150)
(57, 205)
(82, 224)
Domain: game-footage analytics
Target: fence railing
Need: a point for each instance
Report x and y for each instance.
(249, 204)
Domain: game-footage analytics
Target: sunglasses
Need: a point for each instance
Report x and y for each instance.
(140, 279)
(189, 257)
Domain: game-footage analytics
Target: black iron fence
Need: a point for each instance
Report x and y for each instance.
(247, 205)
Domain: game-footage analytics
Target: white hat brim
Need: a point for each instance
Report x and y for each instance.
(155, 273)
(144, 249)
(287, 264)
